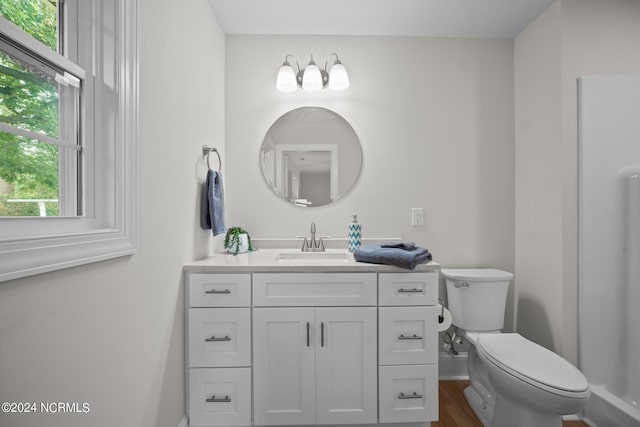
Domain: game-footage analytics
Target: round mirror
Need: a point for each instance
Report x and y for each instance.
(311, 157)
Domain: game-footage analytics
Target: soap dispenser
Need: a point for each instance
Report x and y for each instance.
(355, 234)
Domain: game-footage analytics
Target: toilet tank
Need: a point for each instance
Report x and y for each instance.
(477, 297)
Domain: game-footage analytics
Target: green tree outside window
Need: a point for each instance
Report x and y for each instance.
(28, 168)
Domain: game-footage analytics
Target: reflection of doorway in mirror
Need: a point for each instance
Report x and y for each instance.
(309, 173)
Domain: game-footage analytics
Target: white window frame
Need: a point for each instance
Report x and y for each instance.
(107, 227)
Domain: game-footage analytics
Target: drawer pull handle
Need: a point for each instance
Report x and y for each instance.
(410, 291)
(215, 399)
(308, 326)
(215, 291)
(212, 339)
(321, 334)
(410, 396)
(413, 337)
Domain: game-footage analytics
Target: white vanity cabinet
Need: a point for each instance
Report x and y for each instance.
(408, 347)
(292, 348)
(314, 364)
(218, 349)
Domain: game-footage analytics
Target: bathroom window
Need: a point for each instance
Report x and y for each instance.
(39, 111)
(68, 123)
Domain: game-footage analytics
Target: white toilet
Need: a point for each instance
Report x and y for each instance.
(514, 382)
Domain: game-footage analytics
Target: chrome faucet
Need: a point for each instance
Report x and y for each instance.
(312, 245)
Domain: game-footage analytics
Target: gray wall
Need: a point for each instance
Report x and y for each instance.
(570, 39)
(435, 120)
(111, 333)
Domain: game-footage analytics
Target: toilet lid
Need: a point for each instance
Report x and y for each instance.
(476, 274)
(532, 363)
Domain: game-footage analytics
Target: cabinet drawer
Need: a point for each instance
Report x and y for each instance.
(408, 393)
(219, 290)
(408, 335)
(408, 288)
(219, 397)
(310, 289)
(219, 337)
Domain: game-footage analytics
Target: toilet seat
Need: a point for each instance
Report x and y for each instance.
(533, 364)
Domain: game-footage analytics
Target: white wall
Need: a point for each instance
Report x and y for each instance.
(599, 38)
(594, 37)
(435, 120)
(111, 333)
(538, 201)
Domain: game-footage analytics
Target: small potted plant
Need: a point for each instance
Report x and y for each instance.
(237, 241)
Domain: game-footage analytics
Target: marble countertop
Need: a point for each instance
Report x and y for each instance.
(267, 260)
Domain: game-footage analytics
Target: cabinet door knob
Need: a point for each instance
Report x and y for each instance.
(212, 339)
(414, 395)
(214, 399)
(215, 291)
(413, 337)
(409, 291)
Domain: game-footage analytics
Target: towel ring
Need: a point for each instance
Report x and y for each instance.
(206, 151)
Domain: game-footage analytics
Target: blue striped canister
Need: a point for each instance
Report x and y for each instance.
(355, 234)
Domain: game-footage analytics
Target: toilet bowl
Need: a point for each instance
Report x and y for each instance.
(514, 382)
(532, 384)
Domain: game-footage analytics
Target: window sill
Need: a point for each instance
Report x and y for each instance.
(42, 255)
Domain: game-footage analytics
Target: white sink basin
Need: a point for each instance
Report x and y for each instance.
(315, 258)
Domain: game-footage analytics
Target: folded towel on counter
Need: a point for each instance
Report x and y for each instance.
(399, 245)
(405, 255)
(212, 208)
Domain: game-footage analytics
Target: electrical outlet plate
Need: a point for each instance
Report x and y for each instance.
(417, 216)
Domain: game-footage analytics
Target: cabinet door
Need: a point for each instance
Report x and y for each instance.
(219, 337)
(346, 365)
(408, 393)
(408, 335)
(283, 366)
(219, 290)
(408, 288)
(219, 397)
(314, 289)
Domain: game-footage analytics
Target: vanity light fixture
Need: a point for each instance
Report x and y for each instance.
(312, 78)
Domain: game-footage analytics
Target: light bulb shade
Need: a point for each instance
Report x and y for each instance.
(312, 79)
(338, 77)
(286, 80)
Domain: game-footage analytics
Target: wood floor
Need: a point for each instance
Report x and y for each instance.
(455, 411)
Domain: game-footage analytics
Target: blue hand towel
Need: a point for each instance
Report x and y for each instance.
(212, 212)
(393, 254)
(205, 218)
(400, 245)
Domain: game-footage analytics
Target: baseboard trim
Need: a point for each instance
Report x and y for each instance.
(184, 422)
(572, 417)
(452, 366)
